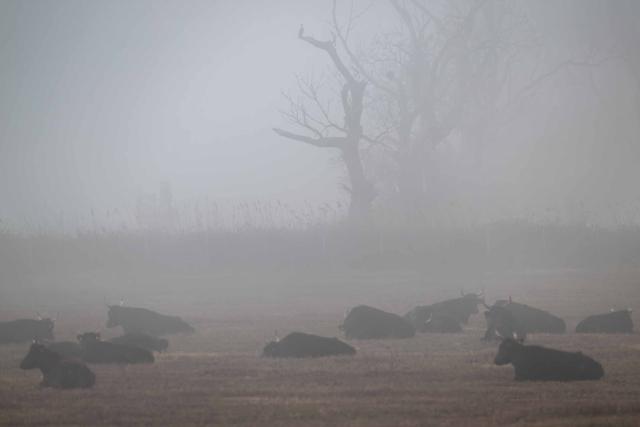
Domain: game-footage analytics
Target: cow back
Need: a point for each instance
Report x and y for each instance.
(608, 323)
(364, 322)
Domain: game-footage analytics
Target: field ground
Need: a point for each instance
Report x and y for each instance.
(215, 377)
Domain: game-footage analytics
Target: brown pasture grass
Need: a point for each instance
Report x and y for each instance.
(216, 377)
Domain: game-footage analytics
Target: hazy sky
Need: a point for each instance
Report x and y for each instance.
(102, 101)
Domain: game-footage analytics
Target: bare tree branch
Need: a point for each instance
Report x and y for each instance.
(330, 48)
(324, 142)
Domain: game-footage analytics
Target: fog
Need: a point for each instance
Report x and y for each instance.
(439, 184)
(104, 103)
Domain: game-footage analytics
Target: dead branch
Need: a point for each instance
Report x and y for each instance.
(323, 142)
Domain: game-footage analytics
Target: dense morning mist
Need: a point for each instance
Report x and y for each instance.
(319, 212)
(106, 103)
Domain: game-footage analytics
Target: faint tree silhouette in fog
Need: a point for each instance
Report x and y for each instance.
(322, 130)
(444, 72)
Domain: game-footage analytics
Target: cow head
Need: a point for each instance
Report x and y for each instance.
(473, 299)
(508, 348)
(114, 316)
(272, 349)
(38, 354)
(47, 329)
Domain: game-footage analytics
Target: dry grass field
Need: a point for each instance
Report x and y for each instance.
(216, 377)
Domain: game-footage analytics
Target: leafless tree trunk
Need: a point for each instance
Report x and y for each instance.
(348, 142)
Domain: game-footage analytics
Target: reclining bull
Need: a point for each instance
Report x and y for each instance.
(615, 322)
(57, 371)
(536, 363)
(141, 320)
(523, 318)
(25, 330)
(457, 309)
(94, 350)
(364, 322)
(298, 344)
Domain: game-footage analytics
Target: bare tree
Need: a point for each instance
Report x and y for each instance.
(323, 131)
(451, 68)
(428, 74)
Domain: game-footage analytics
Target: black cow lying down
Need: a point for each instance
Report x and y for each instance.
(298, 344)
(26, 330)
(532, 320)
(458, 309)
(57, 372)
(142, 341)
(536, 363)
(141, 320)
(615, 322)
(94, 350)
(364, 322)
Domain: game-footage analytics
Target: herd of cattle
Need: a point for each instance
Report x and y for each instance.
(63, 364)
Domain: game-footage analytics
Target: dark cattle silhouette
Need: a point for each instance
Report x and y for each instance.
(143, 341)
(26, 330)
(57, 371)
(141, 320)
(299, 344)
(364, 322)
(459, 309)
(609, 323)
(66, 349)
(536, 363)
(532, 320)
(94, 350)
(441, 323)
(501, 323)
